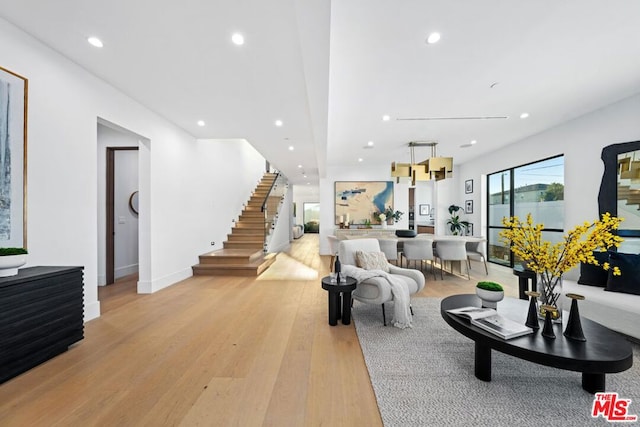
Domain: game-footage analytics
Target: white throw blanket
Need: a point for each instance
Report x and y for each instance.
(399, 290)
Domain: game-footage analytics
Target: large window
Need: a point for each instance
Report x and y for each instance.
(535, 188)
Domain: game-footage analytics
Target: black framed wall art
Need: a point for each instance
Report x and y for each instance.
(468, 186)
(13, 159)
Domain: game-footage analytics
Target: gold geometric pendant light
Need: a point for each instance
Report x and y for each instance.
(434, 167)
(400, 170)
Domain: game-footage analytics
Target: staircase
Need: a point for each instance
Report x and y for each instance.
(243, 251)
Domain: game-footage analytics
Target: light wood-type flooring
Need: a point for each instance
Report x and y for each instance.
(215, 351)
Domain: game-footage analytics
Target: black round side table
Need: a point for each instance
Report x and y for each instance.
(339, 299)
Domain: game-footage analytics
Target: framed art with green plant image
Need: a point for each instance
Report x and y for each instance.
(13, 159)
(457, 226)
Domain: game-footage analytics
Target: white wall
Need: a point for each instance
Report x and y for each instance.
(282, 235)
(182, 205)
(361, 173)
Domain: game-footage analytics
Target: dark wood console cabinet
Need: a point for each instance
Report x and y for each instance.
(41, 315)
(429, 229)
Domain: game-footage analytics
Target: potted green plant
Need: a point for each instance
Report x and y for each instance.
(11, 259)
(456, 225)
(391, 214)
(490, 293)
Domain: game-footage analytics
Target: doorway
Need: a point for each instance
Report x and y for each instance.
(311, 217)
(122, 213)
(118, 179)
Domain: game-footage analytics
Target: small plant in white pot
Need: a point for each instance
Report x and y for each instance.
(490, 293)
(11, 259)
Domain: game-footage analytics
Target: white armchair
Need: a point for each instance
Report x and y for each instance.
(377, 290)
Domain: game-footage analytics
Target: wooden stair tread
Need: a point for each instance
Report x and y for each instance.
(252, 268)
(233, 253)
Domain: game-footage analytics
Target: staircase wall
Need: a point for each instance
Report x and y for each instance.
(240, 168)
(282, 234)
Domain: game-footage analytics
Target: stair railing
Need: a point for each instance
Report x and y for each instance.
(271, 206)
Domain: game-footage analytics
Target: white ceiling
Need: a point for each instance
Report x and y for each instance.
(331, 70)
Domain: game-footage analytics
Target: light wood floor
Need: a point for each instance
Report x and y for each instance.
(215, 351)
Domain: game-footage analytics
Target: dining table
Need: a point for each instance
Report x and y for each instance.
(438, 238)
(441, 237)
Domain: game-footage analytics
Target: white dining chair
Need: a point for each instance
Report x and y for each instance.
(476, 251)
(452, 250)
(390, 249)
(419, 250)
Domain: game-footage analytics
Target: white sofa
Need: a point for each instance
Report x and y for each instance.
(298, 231)
(617, 311)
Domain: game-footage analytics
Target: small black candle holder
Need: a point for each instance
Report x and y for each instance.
(547, 331)
(573, 330)
(532, 316)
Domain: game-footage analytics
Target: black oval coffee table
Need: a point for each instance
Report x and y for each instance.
(605, 351)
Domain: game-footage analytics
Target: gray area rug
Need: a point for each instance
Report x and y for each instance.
(424, 376)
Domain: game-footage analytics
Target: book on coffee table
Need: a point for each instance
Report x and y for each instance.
(491, 321)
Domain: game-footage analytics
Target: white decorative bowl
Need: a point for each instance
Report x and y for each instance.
(9, 264)
(489, 298)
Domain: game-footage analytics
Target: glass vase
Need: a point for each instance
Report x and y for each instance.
(550, 289)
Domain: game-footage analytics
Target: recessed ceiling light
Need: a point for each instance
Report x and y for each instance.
(360, 159)
(299, 166)
(370, 143)
(94, 41)
(524, 115)
(278, 123)
(238, 39)
(201, 123)
(473, 142)
(304, 176)
(291, 148)
(433, 38)
(386, 118)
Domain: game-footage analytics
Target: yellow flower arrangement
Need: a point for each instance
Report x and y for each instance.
(551, 261)
(554, 260)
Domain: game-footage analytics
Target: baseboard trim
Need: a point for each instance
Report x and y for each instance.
(127, 270)
(91, 311)
(149, 287)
